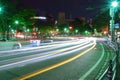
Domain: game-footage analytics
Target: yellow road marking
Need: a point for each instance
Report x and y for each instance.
(55, 65)
(57, 52)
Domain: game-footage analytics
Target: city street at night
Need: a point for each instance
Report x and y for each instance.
(80, 59)
(59, 40)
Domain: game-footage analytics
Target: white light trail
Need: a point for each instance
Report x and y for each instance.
(46, 56)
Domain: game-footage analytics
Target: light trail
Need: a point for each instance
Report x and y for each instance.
(40, 49)
(56, 65)
(45, 46)
(35, 59)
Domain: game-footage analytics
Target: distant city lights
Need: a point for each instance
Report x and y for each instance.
(38, 17)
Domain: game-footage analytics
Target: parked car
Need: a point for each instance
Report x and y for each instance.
(35, 42)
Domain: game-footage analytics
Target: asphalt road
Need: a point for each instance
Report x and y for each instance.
(76, 61)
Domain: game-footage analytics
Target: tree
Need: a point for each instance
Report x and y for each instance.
(7, 10)
(12, 12)
(24, 17)
(101, 21)
(79, 24)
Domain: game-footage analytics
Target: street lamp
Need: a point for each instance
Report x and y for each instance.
(113, 6)
(86, 32)
(0, 9)
(16, 22)
(65, 29)
(114, 3)
(2, 22)
(76, 31)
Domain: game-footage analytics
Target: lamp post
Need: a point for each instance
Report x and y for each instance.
(113, 6)
(2, 22)
(0, 9)
(16, 22)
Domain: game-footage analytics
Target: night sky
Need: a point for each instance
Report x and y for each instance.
(74, 8)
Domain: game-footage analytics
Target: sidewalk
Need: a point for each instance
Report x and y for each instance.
(9, 45)
(6, 45)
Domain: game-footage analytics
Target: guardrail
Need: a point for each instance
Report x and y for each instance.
(110, 72)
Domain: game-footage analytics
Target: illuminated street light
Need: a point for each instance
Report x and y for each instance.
(57, 30)
(113, 6)
(16, 22)
(28, 30)
(4, 36)
(65, 29)
(0, 9)
(76, 31)
(86, 32)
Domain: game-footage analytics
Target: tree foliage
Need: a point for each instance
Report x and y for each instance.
(101, 21)
(11, 12)
(80, 24)
(24, 17)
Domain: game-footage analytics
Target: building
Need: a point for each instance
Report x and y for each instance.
(61, 18)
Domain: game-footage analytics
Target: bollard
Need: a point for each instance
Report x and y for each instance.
(109, 72)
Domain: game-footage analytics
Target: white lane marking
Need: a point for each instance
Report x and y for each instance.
(30, 75)
(36, 58)
(91, 69)
(40, 47)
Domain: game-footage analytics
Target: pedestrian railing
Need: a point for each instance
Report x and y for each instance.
(110, 72)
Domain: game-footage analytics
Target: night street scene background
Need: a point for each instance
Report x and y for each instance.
(59, 39)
